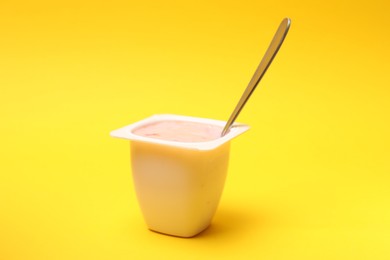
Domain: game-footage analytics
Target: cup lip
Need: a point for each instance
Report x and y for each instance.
(126, 132)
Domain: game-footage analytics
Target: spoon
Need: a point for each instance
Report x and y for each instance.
(260, 71)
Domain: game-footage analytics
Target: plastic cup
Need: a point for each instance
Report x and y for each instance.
(178, 184)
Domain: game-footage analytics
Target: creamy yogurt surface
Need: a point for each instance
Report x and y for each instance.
(180, 131)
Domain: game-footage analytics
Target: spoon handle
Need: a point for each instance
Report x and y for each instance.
(270, 54)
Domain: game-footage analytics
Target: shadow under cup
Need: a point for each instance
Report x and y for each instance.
(178, 184)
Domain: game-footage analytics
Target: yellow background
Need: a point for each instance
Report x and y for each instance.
(310, 180)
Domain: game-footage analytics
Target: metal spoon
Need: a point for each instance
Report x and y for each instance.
(260, 71)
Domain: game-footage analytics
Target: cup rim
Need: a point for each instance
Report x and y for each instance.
(126, 132)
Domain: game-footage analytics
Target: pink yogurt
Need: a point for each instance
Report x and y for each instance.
(180, 131)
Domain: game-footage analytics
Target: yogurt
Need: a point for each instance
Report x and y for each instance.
(180, 131)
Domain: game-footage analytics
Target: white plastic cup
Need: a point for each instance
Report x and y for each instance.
(178, 184)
